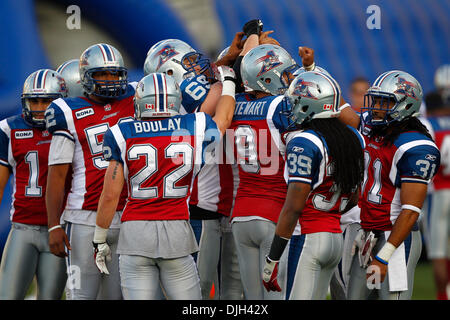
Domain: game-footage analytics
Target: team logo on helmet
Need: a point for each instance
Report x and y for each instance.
(165, 54)
(406, 87)
(270, 61)
(84, 58)
(302, 89)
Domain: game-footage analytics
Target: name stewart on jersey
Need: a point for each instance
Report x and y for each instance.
(254, 108)
(85, 122)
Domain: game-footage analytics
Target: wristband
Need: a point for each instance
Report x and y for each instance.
(54, 228)
(277, 248)
(386, 252)
(228, 88)
(412, 208)
(344, 106)
(310, 67)
(100, 234)
(381, 260)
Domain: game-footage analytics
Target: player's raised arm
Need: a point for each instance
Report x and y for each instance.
(225, 108)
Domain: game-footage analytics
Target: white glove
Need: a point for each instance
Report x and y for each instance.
(102, 253)
(365, 243)
(226, 73)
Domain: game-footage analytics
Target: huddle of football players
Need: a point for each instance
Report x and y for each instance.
(202, 173)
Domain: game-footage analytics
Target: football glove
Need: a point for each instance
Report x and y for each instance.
(226, 73)
(102, 253)
(270, 274)
(365, 242)
(254, 26)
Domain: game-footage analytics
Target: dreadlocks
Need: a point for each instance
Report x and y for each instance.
(344, 149)
(391, 132)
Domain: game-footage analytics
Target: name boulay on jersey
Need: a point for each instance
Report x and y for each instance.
(308, 161)
(161, 159)
(412, 157)
(25, 149)
(85, 122)
(441, 128)
(258, 151)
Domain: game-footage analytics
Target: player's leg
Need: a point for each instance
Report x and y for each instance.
(208, 255)
(357, 283)
(139, 277)
(248, 256)
(230, 283)
(295, 249)
(438, 235)
(180, 279)
(329, 255)
(18, 264)
(84, 278)
(339, 280)
(320, 255)
(110, 284)
(51, 273)
(265, 241)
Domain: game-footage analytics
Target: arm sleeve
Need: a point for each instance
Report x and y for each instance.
(302, 160)
(61, 151)
(4, 145)
(419, 164)
(111, 150)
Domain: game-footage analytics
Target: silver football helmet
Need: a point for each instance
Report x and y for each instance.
(262, 67)
(103, 57)
(290, 73)
(44, 83)
(397, 86)
(166, 57)
(313, 95)
(157, 95)
(70, 72)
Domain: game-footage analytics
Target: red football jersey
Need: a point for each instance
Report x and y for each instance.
(85, 122)
(259, 153)
(441, 130)
(160, 158)
(24, 149)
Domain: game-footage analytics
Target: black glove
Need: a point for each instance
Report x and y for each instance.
(254, 26)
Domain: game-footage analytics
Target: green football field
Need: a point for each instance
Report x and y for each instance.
(424, 288)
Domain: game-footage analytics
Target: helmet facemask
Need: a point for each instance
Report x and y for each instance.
(106, 88)
(196, 63)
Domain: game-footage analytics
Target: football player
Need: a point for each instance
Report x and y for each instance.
(258, 151)
(212, 193)
(438, 228)
(24, 149)
(78, 126)
(400, 159)
(156, 239)
(322, 181)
